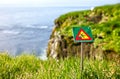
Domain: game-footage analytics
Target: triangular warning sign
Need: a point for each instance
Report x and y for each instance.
(82, 35)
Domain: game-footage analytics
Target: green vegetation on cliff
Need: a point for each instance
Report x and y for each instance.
(31, 67)
(104, 22)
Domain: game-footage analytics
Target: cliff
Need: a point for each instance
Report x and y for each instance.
(105, 24)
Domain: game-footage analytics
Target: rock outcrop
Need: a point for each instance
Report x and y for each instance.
(101, 20)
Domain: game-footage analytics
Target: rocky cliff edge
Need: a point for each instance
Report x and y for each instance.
(105, 24)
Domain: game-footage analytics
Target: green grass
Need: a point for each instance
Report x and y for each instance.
(31, 67)
(108, 27)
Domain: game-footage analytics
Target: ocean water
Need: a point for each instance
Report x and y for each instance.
(28, 29)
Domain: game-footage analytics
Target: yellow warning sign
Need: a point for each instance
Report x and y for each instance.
(82, 35)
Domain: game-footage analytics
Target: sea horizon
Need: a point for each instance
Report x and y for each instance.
(28, 29)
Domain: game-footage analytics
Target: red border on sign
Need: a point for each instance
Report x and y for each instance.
(78, 38)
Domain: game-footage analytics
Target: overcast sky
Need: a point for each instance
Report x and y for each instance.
(47, 3)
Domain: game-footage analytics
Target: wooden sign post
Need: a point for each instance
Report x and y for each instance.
(82, 34)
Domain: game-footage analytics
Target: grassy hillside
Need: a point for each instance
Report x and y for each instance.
(104, 22)
(31, 67)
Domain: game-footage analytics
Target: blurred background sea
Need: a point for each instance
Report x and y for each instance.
(28, 29)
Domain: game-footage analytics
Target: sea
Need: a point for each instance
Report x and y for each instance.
(28, 29)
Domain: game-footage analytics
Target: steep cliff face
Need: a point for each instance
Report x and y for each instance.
(105, 24)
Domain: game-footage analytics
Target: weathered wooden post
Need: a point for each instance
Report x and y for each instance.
(82, 34)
